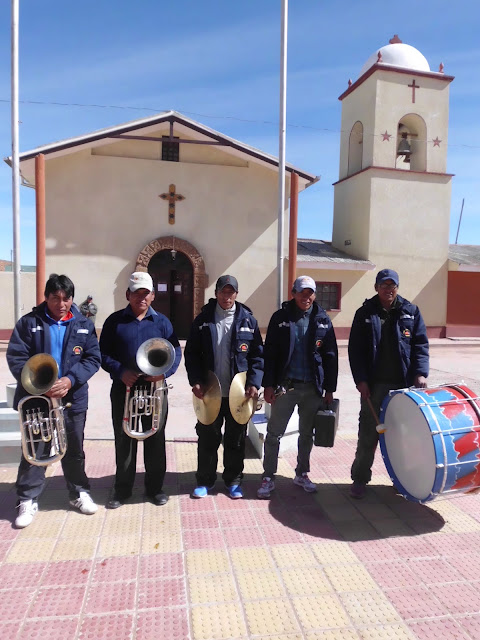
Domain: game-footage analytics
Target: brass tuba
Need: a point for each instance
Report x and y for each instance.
(154, 358)
(42, 425)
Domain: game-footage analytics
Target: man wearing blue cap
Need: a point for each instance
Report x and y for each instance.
(301, 365)
(388, 349)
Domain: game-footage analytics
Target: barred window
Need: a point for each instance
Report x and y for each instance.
(329, 295)
(170, 150)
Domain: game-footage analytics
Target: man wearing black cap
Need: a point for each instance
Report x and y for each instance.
(388, 349)
(225, 339)
(301, 363)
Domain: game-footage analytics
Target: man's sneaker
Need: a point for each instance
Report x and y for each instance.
(357, 490)
(235, 491)
(305, 482)
(268, 485)
(201, 492)
(84, 504)
(27, 510)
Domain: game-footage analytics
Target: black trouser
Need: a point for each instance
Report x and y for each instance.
(154, 456)
(31, 478)
(209, 439)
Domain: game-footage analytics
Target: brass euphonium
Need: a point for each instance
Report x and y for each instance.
(42, 425)
(154, 358)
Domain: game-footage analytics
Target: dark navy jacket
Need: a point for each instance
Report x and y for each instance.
(80, 353)
(410, 332)
(122, 334)
(322, 345)
(246, 347)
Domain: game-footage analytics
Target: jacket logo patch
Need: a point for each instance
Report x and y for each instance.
(284, 324)
(77, 350)
(37, 328)
(322, 326)
(82, 330)
(318, 343)
(247, 329)
(406, 333)
(243, 347)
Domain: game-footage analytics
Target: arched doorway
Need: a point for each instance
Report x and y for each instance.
(173, 282)
(184, 278)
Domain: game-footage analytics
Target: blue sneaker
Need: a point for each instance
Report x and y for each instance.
(235, 491)
(200, 492)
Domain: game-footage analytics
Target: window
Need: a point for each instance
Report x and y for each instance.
(329, 295)
(170, 150)
(355, 149)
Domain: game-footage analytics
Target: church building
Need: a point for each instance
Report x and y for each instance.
(169, 196)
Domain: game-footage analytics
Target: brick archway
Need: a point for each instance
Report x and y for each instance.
(200, 278)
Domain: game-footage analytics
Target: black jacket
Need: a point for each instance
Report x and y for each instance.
(411, 337)
(246, 346)
(322, 347)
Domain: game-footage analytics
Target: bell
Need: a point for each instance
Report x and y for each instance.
(404, 149)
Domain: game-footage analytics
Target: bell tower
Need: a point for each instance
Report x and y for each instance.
(392, 199)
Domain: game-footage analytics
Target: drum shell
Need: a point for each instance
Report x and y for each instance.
(444, 436)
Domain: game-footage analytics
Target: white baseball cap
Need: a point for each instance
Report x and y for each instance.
(304, 282)
(140, 280)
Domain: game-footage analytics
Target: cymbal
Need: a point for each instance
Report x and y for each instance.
(208, 408)
(241, 408)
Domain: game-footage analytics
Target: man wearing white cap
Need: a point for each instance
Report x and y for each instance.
(122, 334)
(301, 363)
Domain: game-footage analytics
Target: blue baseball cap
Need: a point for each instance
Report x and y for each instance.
(387, 274)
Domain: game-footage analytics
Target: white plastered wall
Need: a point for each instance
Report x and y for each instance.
(103, 209)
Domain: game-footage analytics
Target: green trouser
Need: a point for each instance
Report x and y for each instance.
(367, 434)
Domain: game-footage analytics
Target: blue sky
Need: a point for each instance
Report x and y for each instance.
(217, 61)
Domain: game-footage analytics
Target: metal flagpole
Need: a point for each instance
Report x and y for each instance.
(15, 164)
(281, 144)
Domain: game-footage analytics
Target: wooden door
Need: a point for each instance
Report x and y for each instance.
(173, 282)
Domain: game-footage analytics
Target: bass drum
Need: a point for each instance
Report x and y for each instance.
(431, 441)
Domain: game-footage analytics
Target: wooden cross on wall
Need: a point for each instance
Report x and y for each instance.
(172, 198)
(413, 86)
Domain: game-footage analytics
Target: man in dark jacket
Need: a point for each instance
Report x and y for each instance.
(388, 349)
(225, 339)
(301, 362)
(123, 333)
(57, 328)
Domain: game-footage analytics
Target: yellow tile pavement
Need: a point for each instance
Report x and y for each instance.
(218, 622)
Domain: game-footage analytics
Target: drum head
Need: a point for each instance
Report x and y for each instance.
(407, 446)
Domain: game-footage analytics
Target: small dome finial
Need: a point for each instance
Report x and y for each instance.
(441, 67)
(395, 40)
(379, 56)
(349, 82)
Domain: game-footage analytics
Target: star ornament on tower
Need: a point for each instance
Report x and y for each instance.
(436, 142)
(386, 136)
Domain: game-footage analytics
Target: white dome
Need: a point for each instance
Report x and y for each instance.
(398, 55)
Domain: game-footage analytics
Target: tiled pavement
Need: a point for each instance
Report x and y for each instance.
(300, 566)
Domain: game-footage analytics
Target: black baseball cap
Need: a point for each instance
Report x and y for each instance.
(223, 281)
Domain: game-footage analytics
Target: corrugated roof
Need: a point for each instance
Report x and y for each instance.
(464, 254)
(310, 250)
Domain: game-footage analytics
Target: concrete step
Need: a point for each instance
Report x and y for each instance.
(257, 431)
(10, 449)
(9, 420)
